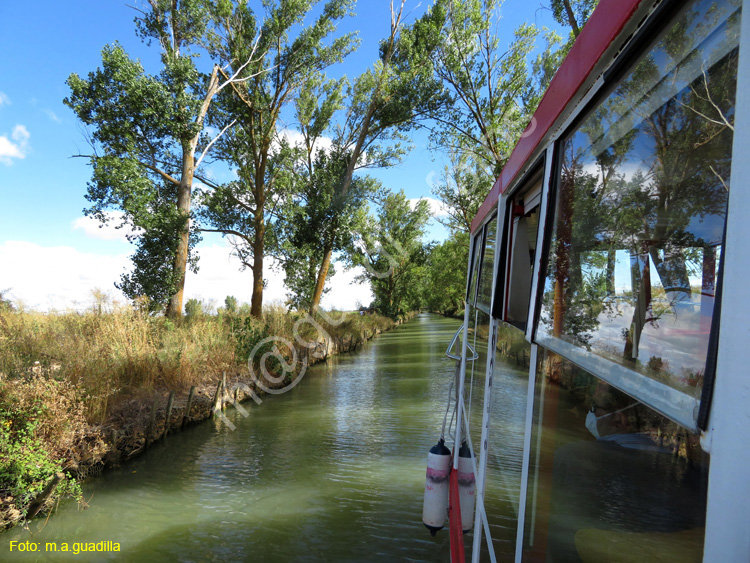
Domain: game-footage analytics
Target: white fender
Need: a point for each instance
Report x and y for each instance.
(436, 487)
(466, 487)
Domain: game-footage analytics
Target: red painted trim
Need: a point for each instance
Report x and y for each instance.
(603, 27)
(454, 516)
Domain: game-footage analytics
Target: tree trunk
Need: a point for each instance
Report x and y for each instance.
(256, 302)
(571, 18)
(321, 281)
(611, 263)
(184, 195)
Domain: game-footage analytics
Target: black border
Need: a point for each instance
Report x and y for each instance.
(712, 354)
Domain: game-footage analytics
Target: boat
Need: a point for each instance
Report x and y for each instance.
(614, 245)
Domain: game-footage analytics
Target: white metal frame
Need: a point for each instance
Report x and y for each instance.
(481, 472)
(480, 519)
(543, 206)
(727, 438)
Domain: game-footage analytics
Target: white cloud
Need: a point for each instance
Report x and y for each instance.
(437, 207)
(108, 231)
(4, 99)
(52, 115)
(62, 277)
(346, 294)
(295, 138)
(57, 277)
(220, 275)
(15, 148)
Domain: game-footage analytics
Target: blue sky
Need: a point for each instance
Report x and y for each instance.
(50, 256)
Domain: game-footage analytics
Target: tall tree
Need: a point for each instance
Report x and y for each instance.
(316, 220)
(383, 102)
(573, 13)
(295, 53)
(148, 131)
(486, 83)
(393, 255)
(445, 274)
(462, 190)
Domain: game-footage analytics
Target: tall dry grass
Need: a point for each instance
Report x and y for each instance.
(109, 352)
(62, 373)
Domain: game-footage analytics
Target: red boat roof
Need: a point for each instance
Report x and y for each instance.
(603, 27)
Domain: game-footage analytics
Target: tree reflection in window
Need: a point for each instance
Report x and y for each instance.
(641, 204)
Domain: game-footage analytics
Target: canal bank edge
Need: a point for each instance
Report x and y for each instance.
(140, 422)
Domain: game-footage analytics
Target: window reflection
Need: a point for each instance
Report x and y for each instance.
(484, 295)
(642, 202)
(476, 260)
(609, 476)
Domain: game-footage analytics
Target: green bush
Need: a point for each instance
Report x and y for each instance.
(27, 462)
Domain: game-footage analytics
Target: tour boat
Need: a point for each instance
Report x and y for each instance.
(613, 245)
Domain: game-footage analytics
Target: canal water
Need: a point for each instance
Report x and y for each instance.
(333, 470)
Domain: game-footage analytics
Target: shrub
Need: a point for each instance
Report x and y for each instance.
(41, 433)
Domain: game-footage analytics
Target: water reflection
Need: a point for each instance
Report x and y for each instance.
(331, 471)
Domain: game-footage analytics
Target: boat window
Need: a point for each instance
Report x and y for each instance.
(640, 209)
(476, 256)
(609, 475)
(521, 235)
(484, 294)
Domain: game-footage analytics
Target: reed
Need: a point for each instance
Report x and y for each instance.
(106, 353)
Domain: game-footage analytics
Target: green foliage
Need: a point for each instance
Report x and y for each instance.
(248, 333)
(230, 303)
(27, 457)
(193, 308)
(5, 303)
(445, 275)
(297, 50)
(319, 220)
(462, 189)
(572, 13)
(144, 128)
(393, 255)
(148, 133)
(485, 83)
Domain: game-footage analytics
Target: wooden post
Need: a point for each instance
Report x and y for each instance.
(151, 424)
(186, 416)
(37, 504)
(224, 391)
(217, 398)
(170, 402)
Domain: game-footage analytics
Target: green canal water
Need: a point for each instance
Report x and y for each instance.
(333, 470)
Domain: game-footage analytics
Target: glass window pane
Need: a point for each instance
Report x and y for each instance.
(641, 206)
(476, 257)
(484, 296)
(523, 228)
(509, 387)
(609, 476)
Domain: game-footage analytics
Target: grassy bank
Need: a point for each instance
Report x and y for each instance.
(81, 390)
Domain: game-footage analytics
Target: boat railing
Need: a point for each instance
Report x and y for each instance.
(474, 354)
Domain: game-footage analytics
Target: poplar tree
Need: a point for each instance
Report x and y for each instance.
(148, 140)
(380, 106)
(393, 255)
(246, 208)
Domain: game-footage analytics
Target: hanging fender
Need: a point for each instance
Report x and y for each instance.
(436, 488)
(466, 486)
